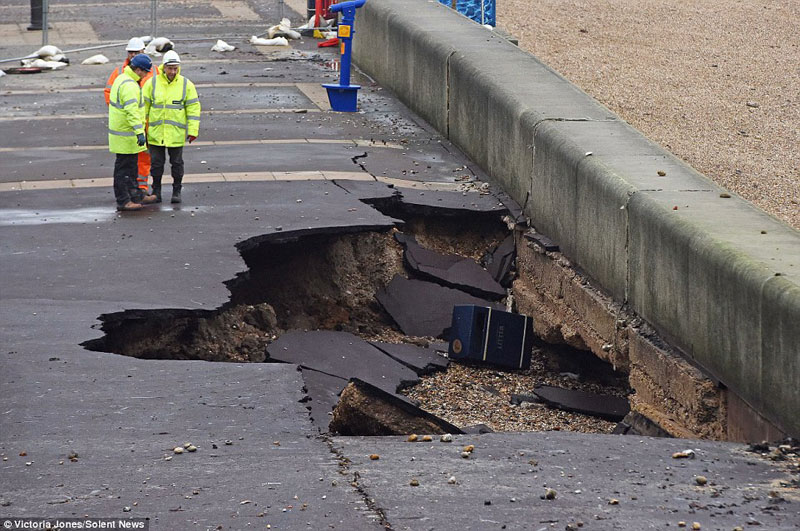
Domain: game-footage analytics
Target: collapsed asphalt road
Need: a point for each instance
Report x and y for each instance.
(86, 433)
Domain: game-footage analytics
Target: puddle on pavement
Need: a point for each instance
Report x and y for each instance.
(330, 282)
(19, 217)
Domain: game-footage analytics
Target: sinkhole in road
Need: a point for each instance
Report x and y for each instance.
(330, 282)
(307, 282)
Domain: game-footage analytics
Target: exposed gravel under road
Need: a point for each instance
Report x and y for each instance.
(716, 82)
(466, 395)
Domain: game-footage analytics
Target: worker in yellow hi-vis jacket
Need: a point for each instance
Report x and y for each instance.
(172, 108)
(134, 47)
(126, 132)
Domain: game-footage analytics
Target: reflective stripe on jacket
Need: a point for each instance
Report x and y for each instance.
(117, 71)
(125, 114)
(172, 109)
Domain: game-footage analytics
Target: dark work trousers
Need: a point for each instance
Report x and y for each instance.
(158, 156)
(125, 173)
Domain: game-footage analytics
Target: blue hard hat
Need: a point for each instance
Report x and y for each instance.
(142, 61)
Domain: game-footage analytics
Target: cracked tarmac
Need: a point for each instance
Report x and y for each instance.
(68, 258)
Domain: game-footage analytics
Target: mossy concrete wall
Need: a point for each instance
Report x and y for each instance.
(712, 273)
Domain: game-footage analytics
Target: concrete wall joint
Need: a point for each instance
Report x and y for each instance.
(447, 95)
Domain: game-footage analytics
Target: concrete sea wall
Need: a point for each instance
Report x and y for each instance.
(709, 271)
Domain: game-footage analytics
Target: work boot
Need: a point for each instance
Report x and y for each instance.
(137, 195)
(149, 199)
(157, 189)
(129, 206)
(176, 193)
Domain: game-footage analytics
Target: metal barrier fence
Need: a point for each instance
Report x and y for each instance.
(481, 11)
(40, 10)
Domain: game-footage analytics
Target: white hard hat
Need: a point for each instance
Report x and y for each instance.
(171, 58)
(135, 45)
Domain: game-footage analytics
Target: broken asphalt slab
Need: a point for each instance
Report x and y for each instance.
(599, 482)
(424, 309)
(343, 355)
(501, 260)
(364, 409)
(373, 406)
(450, 270)
(541, 241)
(123, 417)
(613, 408)
(181, 256)
(421, 360)
(322, 394)
(450, 203)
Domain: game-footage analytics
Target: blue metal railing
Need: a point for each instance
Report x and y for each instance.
(481, 11)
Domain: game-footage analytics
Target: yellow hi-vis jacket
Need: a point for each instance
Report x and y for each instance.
(118, 72)
(125, 114)
(172, 108)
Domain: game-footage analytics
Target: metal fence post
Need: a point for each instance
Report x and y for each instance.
(36, 15)
(45, 9)
(153, 18)
(311, 9)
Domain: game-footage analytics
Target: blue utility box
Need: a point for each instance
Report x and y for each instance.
(480, 333)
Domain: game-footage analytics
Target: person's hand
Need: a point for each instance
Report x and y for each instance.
(192, 138)
(140, 139)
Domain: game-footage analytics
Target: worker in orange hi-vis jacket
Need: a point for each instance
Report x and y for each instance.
(135, 46)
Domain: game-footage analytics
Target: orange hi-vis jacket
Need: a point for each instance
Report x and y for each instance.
(144, 156)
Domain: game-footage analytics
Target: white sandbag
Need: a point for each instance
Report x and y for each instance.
(98, 59)
(159, 44)
(277, 41)
(162, 44)
(322, 23)
(222, 46)
(292, 34)
(46, 51)
(146, 38)
(309, 24)
(284, 29)
(45, 65)
(280, 31)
